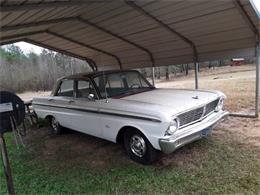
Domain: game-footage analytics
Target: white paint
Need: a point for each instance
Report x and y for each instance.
(159, 104)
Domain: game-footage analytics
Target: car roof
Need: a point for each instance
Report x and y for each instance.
(94, 74)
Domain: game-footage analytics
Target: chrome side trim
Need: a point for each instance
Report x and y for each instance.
(101, 112)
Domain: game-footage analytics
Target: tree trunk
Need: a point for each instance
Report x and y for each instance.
(187, 69)
(167, 73)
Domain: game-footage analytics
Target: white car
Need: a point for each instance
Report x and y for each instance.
(122, 106)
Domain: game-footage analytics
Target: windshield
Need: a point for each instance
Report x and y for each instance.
(121, 83)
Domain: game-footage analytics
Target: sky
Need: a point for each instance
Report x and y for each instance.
(26, 47)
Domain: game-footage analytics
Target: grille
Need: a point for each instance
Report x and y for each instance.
(211, 106)
(194, 115)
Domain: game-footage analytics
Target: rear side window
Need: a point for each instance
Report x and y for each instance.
(66, 88)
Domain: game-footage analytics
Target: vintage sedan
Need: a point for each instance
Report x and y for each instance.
(123, 107)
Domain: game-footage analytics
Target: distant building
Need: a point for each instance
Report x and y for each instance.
(237, 61)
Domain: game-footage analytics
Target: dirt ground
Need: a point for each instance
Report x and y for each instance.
(26, 96)
(238, 83)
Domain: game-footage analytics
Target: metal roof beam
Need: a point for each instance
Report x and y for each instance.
(173, 31)
(24, 35)
(85, 21)
(246, 17)
(142, 11)
(10, 42)
(53, 49)
(82, 20)
(44, 5)
(56, 49)
(21, 35)
(86, 45)
(90, 61)
(36, 24)
(93, 64)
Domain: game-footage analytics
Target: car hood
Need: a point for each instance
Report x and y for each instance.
(177, 99)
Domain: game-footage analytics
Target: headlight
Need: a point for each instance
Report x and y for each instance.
(220, 104)
(174, 125)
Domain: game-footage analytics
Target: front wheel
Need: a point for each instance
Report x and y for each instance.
(139, 148)
(55, 126)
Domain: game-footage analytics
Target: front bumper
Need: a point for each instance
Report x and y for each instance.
(191, 133)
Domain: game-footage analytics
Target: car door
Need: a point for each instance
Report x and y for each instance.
(61, 102)
(86, 116)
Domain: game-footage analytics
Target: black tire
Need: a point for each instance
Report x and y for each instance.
(147, 155)
(56, 128)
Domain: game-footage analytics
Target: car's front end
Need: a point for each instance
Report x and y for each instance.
(185, 115)
(192, 125)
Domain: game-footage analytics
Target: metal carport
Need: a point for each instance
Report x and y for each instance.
(133, 34)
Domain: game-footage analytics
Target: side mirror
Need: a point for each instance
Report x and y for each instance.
(91, 97)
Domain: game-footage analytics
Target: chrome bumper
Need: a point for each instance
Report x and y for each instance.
(191, 133)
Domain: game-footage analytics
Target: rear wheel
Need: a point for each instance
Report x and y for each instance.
(55, 126)
(139, 148)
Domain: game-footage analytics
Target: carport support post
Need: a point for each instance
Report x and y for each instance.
(153, 75)
(6, 165)
(257, 80)
(196, 74)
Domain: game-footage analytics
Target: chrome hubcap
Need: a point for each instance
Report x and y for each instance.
(54, 124)
(138, 145)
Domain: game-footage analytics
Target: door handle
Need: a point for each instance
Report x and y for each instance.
(50, 99)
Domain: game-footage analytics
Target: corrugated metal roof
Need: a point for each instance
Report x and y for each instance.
(134, 33)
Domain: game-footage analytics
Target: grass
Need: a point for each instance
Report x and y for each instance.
(209, 166)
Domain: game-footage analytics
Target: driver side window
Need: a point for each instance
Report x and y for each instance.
(84, 88)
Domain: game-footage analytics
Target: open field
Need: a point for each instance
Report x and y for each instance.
(227, 162)
(238, 83)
